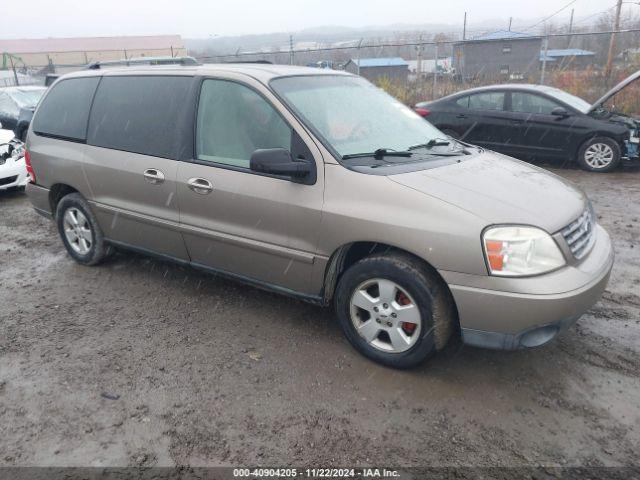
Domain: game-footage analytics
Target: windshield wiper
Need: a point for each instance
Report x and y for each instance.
(379, 154)
(434, 142)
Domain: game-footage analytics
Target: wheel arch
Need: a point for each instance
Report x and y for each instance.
(348, 254)
(57, 192)
(618, 138)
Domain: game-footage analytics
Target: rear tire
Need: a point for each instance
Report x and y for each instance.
(377, 329)
(79, 230)
(599, 154)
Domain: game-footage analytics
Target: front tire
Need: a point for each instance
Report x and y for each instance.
(599, 154)
(79, 230)
(393, 310)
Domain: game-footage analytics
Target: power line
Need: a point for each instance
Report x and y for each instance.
(401, 44)
(552, 15)
(595, 15)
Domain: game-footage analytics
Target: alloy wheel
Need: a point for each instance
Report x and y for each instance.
(599, 155)
(77, 230)
(385, 315)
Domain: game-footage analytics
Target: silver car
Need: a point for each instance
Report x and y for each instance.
(318, 185)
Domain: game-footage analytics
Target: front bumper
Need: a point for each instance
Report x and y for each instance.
(632, 153)
(13, 174)
(529, 312)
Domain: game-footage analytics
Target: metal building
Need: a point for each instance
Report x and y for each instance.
(374, 69)
(501, 55)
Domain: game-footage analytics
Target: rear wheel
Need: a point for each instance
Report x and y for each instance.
(600, 154)
(79, 230)
(393, 310)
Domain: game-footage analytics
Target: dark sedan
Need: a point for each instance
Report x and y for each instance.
(538, 122)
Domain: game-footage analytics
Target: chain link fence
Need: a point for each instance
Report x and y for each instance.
(577, 62)
(415, 69)
(20, 68)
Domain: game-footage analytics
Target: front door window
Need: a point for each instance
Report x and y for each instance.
(234, 121)
(528, 103)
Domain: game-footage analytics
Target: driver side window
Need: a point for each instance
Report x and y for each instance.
(234, 121)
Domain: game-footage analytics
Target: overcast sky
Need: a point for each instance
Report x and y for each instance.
(191, 18)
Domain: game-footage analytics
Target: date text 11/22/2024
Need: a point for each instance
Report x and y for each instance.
(316, 472)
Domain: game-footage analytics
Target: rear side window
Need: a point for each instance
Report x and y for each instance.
(139, 114)
(65, 109)
(487, 101)
(463, 102)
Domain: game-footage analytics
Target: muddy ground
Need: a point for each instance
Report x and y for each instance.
(140, 362)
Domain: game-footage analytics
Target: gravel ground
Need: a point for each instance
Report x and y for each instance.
(143, 363)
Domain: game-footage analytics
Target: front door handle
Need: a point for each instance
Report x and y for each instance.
(200, 185)
(153, 176)
(461, 115)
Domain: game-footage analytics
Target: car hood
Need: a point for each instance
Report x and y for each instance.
(501, 190)
(630, 79)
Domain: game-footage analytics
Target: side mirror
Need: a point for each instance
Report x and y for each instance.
(560, 112)
(278, 161)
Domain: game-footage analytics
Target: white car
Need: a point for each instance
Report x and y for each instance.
(13, 171)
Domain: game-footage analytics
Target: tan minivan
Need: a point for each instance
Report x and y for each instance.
(318, 185)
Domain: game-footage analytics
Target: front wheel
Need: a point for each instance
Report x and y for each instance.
(393, 310)
(600, 154)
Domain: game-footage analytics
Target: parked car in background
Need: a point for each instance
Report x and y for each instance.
(13, 99)
(13, 171)
(317, 184)
(539, 122)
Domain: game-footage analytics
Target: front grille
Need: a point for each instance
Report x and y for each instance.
(580, 234)
(8, 180)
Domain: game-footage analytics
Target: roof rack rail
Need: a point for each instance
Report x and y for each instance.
(144, 61)
(259, 62)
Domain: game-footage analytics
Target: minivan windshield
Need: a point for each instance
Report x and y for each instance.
(356, 117)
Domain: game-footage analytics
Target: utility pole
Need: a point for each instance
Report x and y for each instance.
(460, 51)
(358, 56)
(419, 60)
(290, 49)
(544, 60)
(510, 21)
(570, 28)
(435, 73)
(571, 21)
(612, 43)
(464, 27)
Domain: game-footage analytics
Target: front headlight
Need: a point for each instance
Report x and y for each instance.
(519, 251)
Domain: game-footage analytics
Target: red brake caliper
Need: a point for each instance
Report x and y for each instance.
(402, 299)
